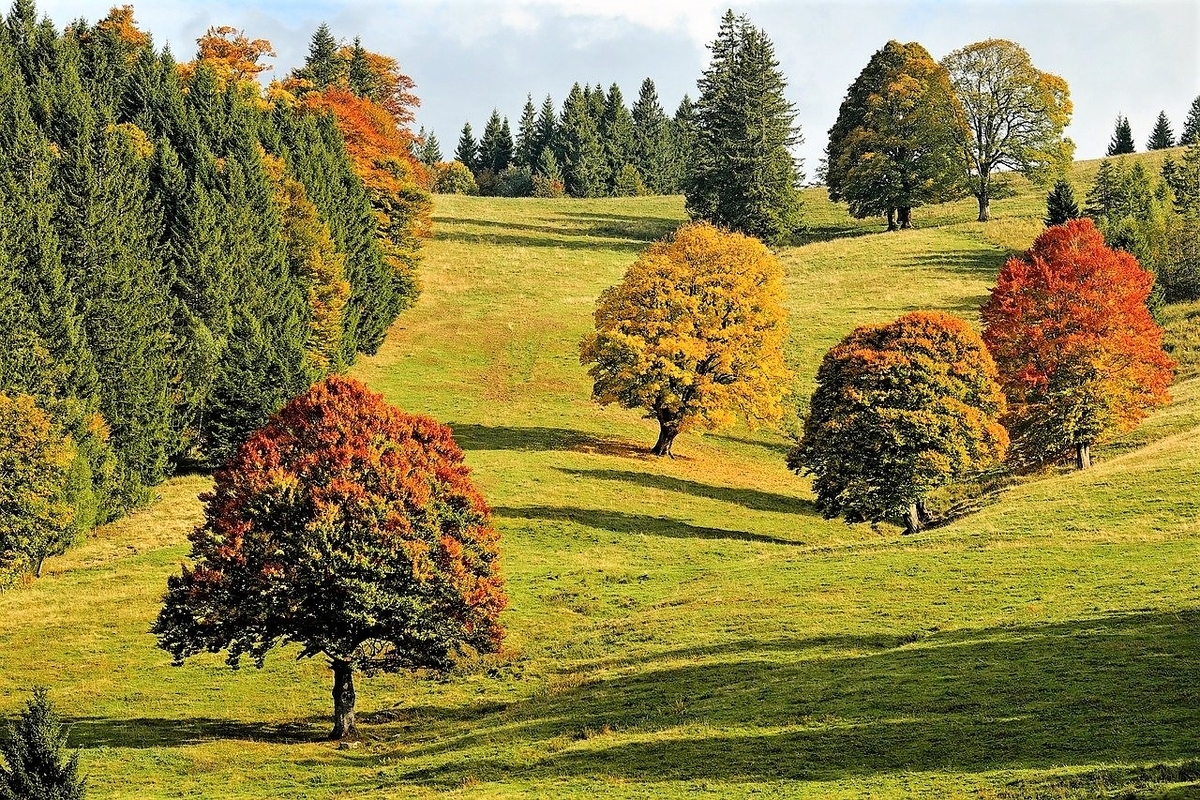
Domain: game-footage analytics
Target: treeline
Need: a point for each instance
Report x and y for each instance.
(596, 146)
(1162, 136)
(181, 252)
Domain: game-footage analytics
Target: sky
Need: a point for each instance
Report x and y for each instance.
(1131, 57)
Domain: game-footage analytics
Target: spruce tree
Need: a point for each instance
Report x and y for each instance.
(363, 81)
(584, 166)
(616, 134)
(1162, 136)
(431, 151)
(526, 149)
(652, 140)
(1060, 204)
(35, 766)
(495, 146)
(684, 134)
(745, 177)
(1122, 138)
(1191, 126)
(467, 151)
(546, 129)
(324, 66)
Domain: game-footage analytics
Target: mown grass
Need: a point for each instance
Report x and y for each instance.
(688, 627)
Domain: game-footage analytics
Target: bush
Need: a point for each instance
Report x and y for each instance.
(547, 187)
(516, 182)
(34, 768)
(629, 183)
(454, 177)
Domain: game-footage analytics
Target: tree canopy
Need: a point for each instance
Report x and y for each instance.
(350, 528)
(1122, 138)
(900, 409)
(1015, 116)
(693, 334)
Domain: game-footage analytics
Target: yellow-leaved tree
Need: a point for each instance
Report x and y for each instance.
(693, 334)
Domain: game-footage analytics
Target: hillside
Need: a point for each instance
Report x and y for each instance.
(685, 627)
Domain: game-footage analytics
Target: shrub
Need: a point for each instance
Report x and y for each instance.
(454, 178)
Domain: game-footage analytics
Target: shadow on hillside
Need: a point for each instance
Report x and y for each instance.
(620, 522)
(835, 230)
(752, 499)
(984, 264)
(146, 732)
(579, 231)
(503, 437)
(626, 226)
(1116, 690)
(777, 448)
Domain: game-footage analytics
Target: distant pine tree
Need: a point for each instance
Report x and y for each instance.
(652, 140)
(324, 65)
(1060, 204)
(495, 146)
(526, 148)
(684, 134)
(1191, 126)
(546, 129)
(363, 80)
(431, 151)
(1122, 139)
(467, 151)
(1162, 136)
(616, 134)
(584, 166)
(37, 768)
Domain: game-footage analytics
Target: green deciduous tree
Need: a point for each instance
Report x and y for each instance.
(899, 410)
(1015, 115)
(743, 175)
(1122, 138)
(897, 141)
(693, 334)
(351, 529)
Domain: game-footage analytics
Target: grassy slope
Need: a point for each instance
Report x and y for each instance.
(691, 626)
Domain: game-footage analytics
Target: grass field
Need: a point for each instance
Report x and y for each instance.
(688, 627)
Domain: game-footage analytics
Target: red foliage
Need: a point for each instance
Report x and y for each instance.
(1078, 352)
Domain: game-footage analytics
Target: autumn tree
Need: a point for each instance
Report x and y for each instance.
(742, 174)
(897, 141)
(900, 409)
(1015, 116)
(35, 461)
(231, 55)
(350, 528)
(1060, 203)
(1079, 355)
(1162, 137)
(693, 334)
(1122, 138)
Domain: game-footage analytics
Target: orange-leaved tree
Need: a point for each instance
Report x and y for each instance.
(350, 528)
(231, 55)
(900, 410)
(1079, 354)
(693, 334)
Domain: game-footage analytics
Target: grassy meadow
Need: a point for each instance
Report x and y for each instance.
(686, 627)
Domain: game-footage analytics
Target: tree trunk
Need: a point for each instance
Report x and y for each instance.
(985, 207)
(905, 218)
(37, 568)
(912, 520)
(923, 513)
(1083, 456)
(667, 431)
(344, 726)
(891, 218)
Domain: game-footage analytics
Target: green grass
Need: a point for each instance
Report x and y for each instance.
(687, 627)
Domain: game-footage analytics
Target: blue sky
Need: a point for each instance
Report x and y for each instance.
(467, 56)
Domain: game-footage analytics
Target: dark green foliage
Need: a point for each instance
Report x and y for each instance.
(546, 129)
(743, 175)
(363, 81)
(496, 146)
(628, 182)
(1191, 126)
(35, 766)
(616, 133)
(467, 152)
(527, 146)
(1162, 136)
(431, 150)
(324, 66)
(651, 152)
(1060, 204)
(1122, 138)
(583, 153)
(516, 182)
(683, 144)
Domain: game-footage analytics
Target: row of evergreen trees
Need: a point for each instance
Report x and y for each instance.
(1161, 138)
(179, 255)
(596, 146)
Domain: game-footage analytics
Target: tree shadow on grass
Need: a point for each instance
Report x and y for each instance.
(1115, 690)
(626, 226)
(533, 439)
(142, 732)
(583, 242)
(752, 499)
(618, 522)
(984, 264)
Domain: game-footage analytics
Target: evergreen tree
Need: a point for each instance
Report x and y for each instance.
(1191, 126)
(1162, 136)
(431, 151)
(363, 80)
(616, 134)
(526, 151)
(324, 66)
(546, 130)
(745, 177)
(1060, 204)
(684, 135)
(495, 147)
(652, 140)
(467, 152)
(1122, 139)
(583, 154)
(37, 768)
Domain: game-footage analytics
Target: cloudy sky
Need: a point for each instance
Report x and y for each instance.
(468, 56)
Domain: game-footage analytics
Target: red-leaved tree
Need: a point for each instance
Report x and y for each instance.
(1079, 354)
(351, 529)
